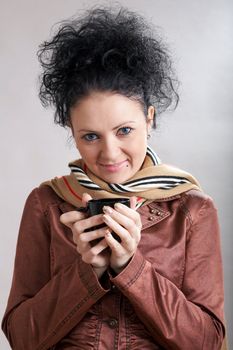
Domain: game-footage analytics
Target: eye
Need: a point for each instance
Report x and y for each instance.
(125, 130)
(90, 137)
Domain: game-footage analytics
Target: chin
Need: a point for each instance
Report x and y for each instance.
(115, 179)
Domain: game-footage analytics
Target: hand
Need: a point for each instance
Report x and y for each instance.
(126, 223)
(96, 255)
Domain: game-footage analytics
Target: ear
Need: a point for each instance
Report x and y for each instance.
(150, 118)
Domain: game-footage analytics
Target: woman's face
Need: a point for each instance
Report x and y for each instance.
(110, 131)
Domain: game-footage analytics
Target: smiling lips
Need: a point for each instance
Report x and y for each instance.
(114, 167)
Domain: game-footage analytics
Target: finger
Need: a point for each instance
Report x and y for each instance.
(94, 251)
(129, 212)
(133, 202)
(81, 248)
(125, 221)
(125, 236)
(101, 259)
(99, 247)
(71, 217)
(114, 245)
(92, 235)
(120, 218)
(85, 198)
(88, 223)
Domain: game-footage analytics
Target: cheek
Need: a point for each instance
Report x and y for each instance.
(86, 153)
(140, 142)
(83, 150)
(138, 149)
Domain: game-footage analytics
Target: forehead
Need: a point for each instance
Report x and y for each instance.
(108, 107)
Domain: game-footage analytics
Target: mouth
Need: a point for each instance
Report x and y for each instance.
(114, 167)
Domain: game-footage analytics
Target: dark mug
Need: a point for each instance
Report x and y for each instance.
(95, 207)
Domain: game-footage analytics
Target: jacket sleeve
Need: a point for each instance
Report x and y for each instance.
(190, 318)
(42, 309)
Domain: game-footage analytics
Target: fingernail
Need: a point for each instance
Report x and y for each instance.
(105, 217)
(107, 210)
(107, 233)
(118, 206)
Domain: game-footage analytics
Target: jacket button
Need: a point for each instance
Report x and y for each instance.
(112, 323)
(158, 213)
(152, 211)
(151, 218)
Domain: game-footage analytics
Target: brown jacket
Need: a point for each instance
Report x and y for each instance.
(170, 296)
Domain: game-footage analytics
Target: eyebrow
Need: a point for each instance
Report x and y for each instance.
(116, 127)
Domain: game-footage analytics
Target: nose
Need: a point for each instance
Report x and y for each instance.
(110, 150)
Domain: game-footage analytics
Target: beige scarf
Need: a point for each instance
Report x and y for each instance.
(154, 181)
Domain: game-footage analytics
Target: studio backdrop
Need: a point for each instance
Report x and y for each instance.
(197, 136)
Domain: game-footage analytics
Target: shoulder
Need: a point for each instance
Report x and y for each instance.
(196, 203)
(192, 205)
(44, 197)
(196, 198)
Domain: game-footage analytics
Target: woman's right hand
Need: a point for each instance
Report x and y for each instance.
(96, 255)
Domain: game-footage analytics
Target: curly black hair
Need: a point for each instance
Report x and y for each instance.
(106, 49)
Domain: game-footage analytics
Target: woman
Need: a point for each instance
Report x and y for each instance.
(159, 286)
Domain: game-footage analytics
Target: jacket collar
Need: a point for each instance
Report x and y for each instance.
(152, 214)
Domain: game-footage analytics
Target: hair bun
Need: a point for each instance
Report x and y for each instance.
(110, 50)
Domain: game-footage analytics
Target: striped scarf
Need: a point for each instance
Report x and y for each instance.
(154, 181)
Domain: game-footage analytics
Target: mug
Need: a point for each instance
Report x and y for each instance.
(95, 207)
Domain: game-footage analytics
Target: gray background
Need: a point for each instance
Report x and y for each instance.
(196, 137)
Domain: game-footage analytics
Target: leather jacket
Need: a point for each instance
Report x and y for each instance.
(170, 295)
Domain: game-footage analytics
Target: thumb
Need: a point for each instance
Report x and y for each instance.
(85, 198)
(133, 202)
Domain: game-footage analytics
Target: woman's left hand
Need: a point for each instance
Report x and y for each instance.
(126, 223)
